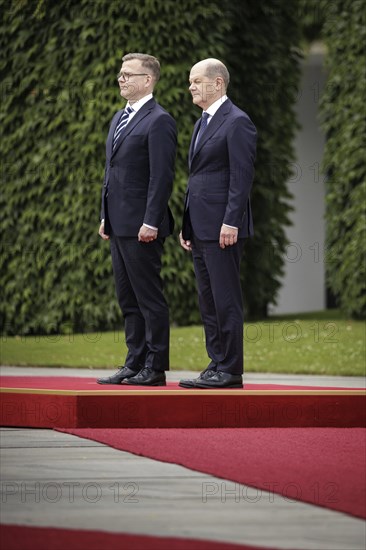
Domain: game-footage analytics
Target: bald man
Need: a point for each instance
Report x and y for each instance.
(217, 219)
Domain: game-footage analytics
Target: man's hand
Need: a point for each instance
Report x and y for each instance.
(187, 245)
(101, 232)
(228, 236)
(146, 235)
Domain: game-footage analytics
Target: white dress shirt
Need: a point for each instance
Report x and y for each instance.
(137, 105)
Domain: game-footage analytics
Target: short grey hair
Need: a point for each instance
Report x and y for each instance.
(217, 68)
(149, 62)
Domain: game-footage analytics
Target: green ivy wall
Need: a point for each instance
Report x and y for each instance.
(58, 65)
(344, 114)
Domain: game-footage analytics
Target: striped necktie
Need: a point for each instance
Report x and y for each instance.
(122, 123)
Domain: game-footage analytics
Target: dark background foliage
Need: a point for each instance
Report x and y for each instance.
(59, 92)
(343, 110)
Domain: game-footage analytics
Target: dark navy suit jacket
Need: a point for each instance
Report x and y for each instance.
(139, 173)
(221, 171)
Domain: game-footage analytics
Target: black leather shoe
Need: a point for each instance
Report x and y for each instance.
(205, 375)
(221, 380)
(147, 377)
(121, 374)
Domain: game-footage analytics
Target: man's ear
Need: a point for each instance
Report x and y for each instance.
(219, 83)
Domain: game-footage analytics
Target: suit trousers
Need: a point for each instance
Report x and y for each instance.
(139, 289)
(220, 300)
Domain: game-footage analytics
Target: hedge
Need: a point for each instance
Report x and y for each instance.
(58, 66)
(343, 111)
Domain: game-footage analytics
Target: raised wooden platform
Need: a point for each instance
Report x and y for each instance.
(70, 402)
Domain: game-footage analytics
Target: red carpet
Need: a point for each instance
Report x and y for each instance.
(14, 537)
(326, 467)
(68, 402)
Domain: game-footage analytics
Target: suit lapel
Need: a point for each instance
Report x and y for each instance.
(140, 115)
(193, 140)
(217, 120)
(112, 129)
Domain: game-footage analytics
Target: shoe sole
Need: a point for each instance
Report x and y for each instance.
(183, 385)
(108, 383)
(232, 386)
(135, 384)
(111, 383)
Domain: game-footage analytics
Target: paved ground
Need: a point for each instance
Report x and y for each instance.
(54, 479)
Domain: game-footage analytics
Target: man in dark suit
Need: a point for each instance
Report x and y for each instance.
(217, 219)
(140, 157)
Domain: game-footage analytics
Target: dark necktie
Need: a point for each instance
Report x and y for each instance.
(122, 123)
(203, 126)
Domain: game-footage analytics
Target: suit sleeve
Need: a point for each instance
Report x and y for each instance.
(162, 150)
(106, 168)
(241, 142)
(102, 212)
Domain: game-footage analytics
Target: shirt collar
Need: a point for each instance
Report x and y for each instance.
(215, 106)
(137, 106)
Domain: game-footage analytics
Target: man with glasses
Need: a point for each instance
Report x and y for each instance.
(217, 219)
(135, 217)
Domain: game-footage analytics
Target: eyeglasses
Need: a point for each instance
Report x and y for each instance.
(127, 76)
